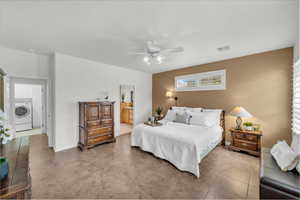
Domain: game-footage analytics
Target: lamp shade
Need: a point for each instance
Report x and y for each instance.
(239, 111)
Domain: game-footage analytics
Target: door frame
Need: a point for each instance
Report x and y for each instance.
(44, 82)
(134, 104)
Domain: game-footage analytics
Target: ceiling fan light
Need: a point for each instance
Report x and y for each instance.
(146, 59)
(159, 59)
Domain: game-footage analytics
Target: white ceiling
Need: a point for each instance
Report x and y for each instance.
(107, 31)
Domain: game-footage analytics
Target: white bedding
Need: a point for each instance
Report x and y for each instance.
(181, 144)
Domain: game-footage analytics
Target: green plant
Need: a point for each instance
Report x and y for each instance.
(248, 124)
(159, 110)
(4, 135)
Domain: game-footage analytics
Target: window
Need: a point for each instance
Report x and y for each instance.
(214, 80)
(296, 98)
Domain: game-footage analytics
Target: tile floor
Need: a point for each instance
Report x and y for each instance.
(118, 171)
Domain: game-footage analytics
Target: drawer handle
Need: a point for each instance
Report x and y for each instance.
(244, 144)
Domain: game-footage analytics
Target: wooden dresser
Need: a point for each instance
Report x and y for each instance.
(96, 123)
(17, 185)
(249, 141)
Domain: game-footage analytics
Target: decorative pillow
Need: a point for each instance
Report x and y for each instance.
(207, 119)
(285, 157)
(170, 116)
(182, 118)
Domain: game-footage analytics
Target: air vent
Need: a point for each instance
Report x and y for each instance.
(224, 48)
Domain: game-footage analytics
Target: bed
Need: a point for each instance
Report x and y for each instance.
(183, 145)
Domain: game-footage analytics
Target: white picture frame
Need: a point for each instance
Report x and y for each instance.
(213, 80)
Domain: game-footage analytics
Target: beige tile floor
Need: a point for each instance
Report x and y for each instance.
(116, 170)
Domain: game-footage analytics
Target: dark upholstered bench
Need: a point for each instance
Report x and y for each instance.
(274, 183)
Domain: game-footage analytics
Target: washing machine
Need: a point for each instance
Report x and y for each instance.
(23, 114)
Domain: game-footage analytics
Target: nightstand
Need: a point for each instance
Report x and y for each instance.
(248, 141)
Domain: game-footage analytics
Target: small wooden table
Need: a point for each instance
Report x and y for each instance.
(248, 141)
(153, 124)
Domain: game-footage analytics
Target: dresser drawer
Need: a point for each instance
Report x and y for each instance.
(96, 140)
(239, 136)
(106, 122)
(99, 131)
(252, 138)
(93, 123)
(245, 145)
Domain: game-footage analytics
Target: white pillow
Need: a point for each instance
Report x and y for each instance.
(182, 109)
(216, 111)
(171, 115)
(206, 119)
(189, 109)
(196, 110)
(285, 157)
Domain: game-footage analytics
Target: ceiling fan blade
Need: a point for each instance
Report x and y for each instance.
(138, 51)
(173, 50)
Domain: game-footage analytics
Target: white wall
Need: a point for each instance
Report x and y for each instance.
(78, 79)
(298, 50)
(35, 93)
(23, 64)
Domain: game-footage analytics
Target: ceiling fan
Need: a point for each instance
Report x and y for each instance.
(155, 53)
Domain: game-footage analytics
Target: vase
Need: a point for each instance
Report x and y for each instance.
(249, 128)
(3, 162)
(3, 168)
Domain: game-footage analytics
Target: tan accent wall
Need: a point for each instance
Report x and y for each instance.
(261, 83)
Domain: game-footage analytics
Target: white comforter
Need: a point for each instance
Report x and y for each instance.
(182, 145)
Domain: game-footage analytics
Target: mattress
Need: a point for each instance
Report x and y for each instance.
(181, 144)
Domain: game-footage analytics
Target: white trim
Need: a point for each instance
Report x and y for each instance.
(64, 148)
(134, 102)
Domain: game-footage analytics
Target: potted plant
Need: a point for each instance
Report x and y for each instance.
(248, 126)
(158, 112)
(4, 138)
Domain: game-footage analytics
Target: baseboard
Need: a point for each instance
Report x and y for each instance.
(64, 148)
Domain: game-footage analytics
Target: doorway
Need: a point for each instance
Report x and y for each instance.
(28, 106)
(126, 108)
(28, 109)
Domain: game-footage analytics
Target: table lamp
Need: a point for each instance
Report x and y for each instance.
(240, 112)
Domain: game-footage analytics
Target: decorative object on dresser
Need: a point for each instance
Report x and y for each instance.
(17, 185)
(96, 123)
(158, 113)
(153, 124)
(239, 112)
(248, 141)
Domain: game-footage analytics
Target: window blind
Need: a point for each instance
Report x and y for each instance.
(296, 98)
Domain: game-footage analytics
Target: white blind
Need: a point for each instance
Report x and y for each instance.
(296, 98)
